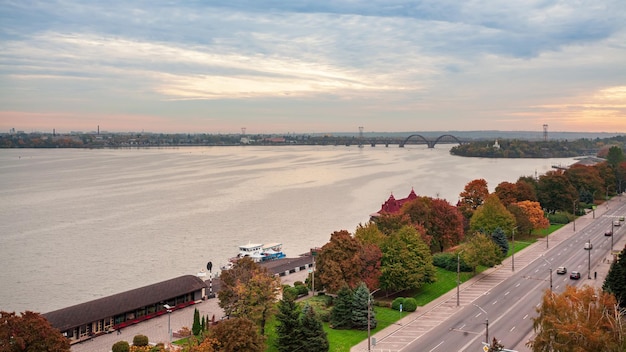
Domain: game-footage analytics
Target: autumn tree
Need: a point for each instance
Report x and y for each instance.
(441, 222)
(238, 334)
(585, 179)
(507, 193)
(406, 263)
(615, 282)
(555, 192)
(30, 332)
(579, 319)
(534, 214)
(473, 196)
(491, 215)
(249, 290)
(523, 224)
(346, 261)
(369, 234)
(480, 249)
(526, 188)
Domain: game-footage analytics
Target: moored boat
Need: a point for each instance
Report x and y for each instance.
(258, 253)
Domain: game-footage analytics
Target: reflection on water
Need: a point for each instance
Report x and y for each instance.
(76, 225)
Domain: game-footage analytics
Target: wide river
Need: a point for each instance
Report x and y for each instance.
(76, 225)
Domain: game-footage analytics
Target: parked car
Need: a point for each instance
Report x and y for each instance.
(588, 245)
(575, 275)
(561, 270)
(608, 233)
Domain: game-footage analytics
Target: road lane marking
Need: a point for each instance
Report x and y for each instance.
(525, 316)
(513, 328)
(434, 348)
(507, 293)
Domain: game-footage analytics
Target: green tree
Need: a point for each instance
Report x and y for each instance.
(579, 319)
(314, 338)
(480, 250)
(140, 340)
(30, 332)
(238, 335)
(196, 327)
(406, 263)
(288, 328)
(491, 215)
(119, 346)
(615, 282)
(369, 234)
(249, 290)
(361, 309)
(615, 156)
(341, 313)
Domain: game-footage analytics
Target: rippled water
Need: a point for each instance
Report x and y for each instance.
(76, 225)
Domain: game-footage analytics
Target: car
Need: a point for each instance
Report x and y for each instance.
(621, 218)
(575, 275)
(561, 270)
(608, 233)
(588, 245)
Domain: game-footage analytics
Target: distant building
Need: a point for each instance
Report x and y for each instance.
(393, 205)
(496, 145)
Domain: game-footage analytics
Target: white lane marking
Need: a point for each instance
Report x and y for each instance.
(513, 328)
(434, 348)
(494, 302)
(525, 316)
(507, 293)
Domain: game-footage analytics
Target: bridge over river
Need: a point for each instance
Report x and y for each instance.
(419, 139)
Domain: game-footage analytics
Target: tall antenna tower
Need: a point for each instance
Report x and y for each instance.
(243, 131)
(360, 136)
(545, 132)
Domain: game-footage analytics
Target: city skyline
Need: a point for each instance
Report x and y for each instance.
(325, 66)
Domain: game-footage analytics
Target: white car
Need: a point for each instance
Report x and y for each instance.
(561, 270)
(588, 245)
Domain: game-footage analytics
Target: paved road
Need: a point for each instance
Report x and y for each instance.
(506, 298)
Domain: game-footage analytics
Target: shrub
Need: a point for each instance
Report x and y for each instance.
(448, 261)
(397, 302)
(120, 346)
(291, 292)
(298, 283)
(140, 340)
(559, 218)
(302, 290)
(324, 315)
(410, 305)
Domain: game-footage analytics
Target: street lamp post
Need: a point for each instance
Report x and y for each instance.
(513, 251)
(369, 307)
(169, 329)
(549, 268)
(458, 278)
(574, 206)
(486, 323)
(612, 233)
(589, 260)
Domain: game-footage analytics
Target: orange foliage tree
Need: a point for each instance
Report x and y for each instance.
(577, 320)
(534, 213)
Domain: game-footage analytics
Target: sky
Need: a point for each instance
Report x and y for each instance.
(296, 66)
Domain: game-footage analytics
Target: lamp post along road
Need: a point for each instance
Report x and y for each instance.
(169, 329)
(549, 268)
(369, 308)
(458, 278)
(513, 251)
(589, 260)
(486, 324)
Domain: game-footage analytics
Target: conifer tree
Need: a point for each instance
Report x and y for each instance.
(196, 328)
(360, 308)
(314, 338)
(499, 237)
(341, 314)
(288, 327)
(615, 281)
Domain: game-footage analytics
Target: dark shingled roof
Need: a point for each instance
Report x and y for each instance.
(84, 313)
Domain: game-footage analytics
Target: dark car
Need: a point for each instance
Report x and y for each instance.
(575, 275)
(608, 233)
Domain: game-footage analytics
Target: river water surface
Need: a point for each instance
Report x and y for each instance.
(76, 225)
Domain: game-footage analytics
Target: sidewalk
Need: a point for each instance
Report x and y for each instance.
(408, 329)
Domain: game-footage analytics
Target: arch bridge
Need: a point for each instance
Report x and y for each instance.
(431, 143)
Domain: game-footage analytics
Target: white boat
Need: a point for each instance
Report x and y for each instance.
(258, 253)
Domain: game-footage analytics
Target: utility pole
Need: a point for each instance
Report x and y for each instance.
(458, 277)
(549, 268)
(589, 260)
(513, 251)
(574, 206)
(486, 323)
